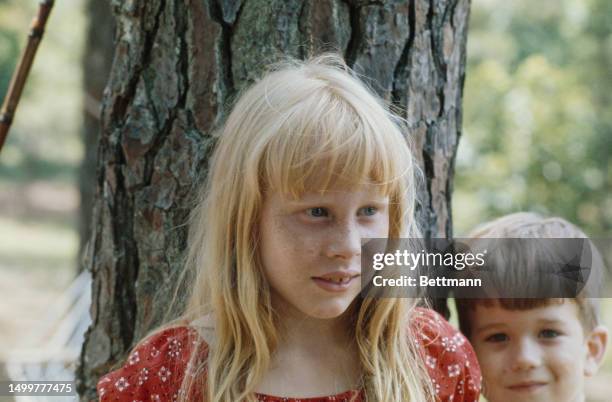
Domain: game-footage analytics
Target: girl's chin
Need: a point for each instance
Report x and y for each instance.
(330, 311)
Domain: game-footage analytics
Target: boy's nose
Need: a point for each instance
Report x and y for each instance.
(345, 241)
(525, 355)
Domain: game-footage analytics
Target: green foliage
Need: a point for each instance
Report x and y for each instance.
(538, 116)
(44, 141)
(8, 57)
(40, 159)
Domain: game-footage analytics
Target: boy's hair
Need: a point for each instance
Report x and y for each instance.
(530, 225)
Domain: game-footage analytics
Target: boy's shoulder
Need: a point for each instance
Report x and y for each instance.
(155, 368)
(449, 357)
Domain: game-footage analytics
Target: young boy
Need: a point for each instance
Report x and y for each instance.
(536, 350)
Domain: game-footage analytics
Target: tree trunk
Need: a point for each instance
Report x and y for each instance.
(97, 60)
(177, 66)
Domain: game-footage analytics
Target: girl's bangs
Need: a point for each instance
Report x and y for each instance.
(323, 143)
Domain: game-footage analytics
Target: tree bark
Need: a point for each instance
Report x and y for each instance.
(97, 61)
(178, 65)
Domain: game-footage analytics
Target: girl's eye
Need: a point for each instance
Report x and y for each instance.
(317, 212)
(496, 338)
(549, 333)
(369, 211)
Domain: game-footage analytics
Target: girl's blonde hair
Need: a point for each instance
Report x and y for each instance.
(303, 127)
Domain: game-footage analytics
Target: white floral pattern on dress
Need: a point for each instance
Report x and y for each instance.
(436, 386)
(458, 339)
(174, 350)
(449, 344)
(164, 374)
(431, 361)
(143, 376)
(134, 358)
(122, 384)
(454, 370)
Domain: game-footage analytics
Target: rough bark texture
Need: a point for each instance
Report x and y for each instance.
(177, 66)
(97, 61)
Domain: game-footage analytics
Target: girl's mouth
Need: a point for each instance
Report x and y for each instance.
(334, 283)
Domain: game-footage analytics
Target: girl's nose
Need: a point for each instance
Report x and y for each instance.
(525, 356)
(344, 241)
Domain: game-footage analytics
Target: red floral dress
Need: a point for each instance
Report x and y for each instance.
(154, 371)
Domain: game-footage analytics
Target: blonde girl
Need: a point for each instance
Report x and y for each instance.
(308, 164)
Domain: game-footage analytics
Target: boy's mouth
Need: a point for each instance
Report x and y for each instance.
(526, 386)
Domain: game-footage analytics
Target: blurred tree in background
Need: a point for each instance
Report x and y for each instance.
(8, 54)
(40, 161)
(538, 116)
(45, 157)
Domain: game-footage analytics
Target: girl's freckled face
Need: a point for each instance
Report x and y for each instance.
(316, 235)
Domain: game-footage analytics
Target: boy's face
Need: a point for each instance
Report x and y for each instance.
(311, 247)
(535, 355)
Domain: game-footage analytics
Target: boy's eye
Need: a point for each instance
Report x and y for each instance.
(500, 337)
(549, 333)
(317, 212)
(369, 211)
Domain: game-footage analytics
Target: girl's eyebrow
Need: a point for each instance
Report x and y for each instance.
(376, 201)
(330, 193)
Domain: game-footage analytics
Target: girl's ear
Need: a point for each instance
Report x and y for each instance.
(596, 343)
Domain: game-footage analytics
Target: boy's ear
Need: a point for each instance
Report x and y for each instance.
(596, 343)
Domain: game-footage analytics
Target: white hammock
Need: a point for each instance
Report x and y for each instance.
(52, 351)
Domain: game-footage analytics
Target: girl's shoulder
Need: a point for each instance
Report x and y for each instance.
(155, 369)
(432, 324)
(449, 357)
